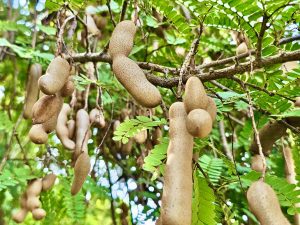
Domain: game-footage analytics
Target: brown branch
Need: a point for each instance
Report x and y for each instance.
(260, 37)
(288, 40)
(123, 12)
(110, 13)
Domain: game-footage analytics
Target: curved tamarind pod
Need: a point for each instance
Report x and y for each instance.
(82, 132)
(242, 48)
(156, 136)
(270, 133)
(45, 108)
(33, 202)
(195, 96)
(20, 216)
(34, 188)
(68, 88)
(32, 91)
(97, 118)
(56, 76)
(71, 128)
(135, 82)
(257, 163)
(127, 148)
(121, 41)
(38, 214)
(91, 25)
(211, 108)
(37, 134)
(23, 201)
(199, 123)
(62, 129)
(81, 171)
(264, 204)
(141, 137)
(177, 192)
(48, 181)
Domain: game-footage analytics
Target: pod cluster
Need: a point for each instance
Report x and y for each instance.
(130, 75)
(54, 85)
(30, 202)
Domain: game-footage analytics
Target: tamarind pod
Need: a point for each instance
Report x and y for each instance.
(242, 48)
(32, 91)
(91, 25)
(297, 102)
(135, 82)
(141, 137)
(121, 41)
(195, 96)
(20, 216)
(82, 132)
(33, 202)
(156, 135)
(177, 191)
(38, 214)
(34, 188)
(199, 123)
(100, 21)
(294, 121)
(97, 118)
(158, 221)
(56, 76)
(289, 66)
(37, 134)
(196, 156)
(264, 204)
(257, 163)
(211, 108)
(48, 181)
(81, 171)
(45, 108)
(116, 124)
(71, 128)
(62, 129)
(270, 133)
(23, 201)
(68, 88)
(127, 148)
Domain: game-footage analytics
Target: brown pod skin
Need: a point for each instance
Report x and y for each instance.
(62, 130)
(195, 96)
(81, 171)
(33, 202)
(32, 92)
(156, 136)
(82, 132)
(56, 76)
(141, 137)
(20, 216)
(34, 188)
(23, 201)
(71, 128)
(91, 25)
(68, 88)
(211, 108)
(270, 133)
(37, 134)
(257, 163)
(45, 108)
(38, 214)
(135, 82)
(48, 181)
(97, 118)
(121, 41)
(178, 185)
(127, 148)
(100, 21)
(264, 204)
(199, 123)
(297, 102)
(242, 48)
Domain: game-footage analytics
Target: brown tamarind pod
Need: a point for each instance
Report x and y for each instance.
(56, 76)
(71, 128)
(135, 82)
(48, 181)
(32, 91)
(199, 123)
(100, 21)
(82, 132)
(257, 163)
(62, 130)
(68, 88)
(45, 108)
(268, 135)
(23, 201)
(20, 216)
(127, 148)
(38, 214)
(264, 204)
(242, 48)
(211, 108)
(37, 134)
(158, 221)
(178, 185)
(97, 118)
(34, 188)
(195, 96)
(91, 25)
(121, 41)
(141, 137)
(81, 171)
(33, 202)
(156, 135)
(297, 102)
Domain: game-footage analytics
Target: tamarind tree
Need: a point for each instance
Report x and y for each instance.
(182, 112)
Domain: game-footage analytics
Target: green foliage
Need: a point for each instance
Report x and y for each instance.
(213, 167)
(130, 127)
